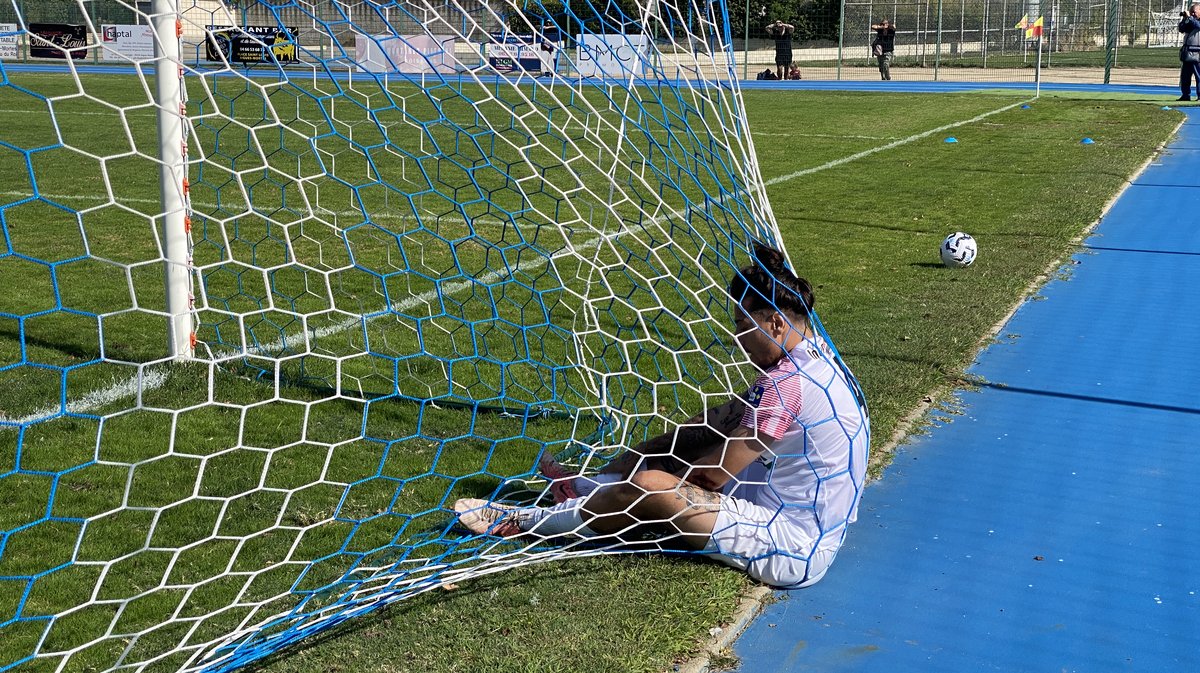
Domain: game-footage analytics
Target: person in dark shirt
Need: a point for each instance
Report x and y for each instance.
(884, 46)
(1189, 53)
(782, 32)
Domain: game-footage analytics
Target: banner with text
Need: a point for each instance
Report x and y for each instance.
(126, 43)
(57, 40)
(508, 52)
(612, 55)
(10, 41)
(251, 44)
(407, 53)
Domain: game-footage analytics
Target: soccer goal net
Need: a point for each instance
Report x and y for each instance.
(1163, 27)
(281, 280)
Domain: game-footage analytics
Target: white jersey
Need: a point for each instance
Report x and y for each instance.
(813, 474)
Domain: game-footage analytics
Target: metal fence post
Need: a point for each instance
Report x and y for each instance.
(746, 45)
(89, 16)
(1113, 27)
(937, 54)
(24, 46)
(841, 35)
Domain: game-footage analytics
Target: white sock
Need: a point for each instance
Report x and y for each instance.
(562, 519)
(585, 485)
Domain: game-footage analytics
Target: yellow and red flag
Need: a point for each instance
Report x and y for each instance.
(1023, 23)
(1034, 29)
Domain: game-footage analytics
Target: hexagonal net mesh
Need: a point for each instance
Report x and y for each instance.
(424, 244)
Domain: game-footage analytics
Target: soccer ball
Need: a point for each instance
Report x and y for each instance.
(958, 250)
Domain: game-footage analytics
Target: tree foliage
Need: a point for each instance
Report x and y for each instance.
(68, 11)
(813, 19)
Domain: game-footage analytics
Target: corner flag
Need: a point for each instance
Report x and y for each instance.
(1023, 23)
(1034, 29)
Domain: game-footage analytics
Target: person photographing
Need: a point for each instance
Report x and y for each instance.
(782, 32)
(883, 47)
(1189, 53)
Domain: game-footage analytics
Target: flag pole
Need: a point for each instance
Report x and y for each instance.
(1037, 77)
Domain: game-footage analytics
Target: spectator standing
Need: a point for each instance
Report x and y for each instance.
(883, 47)
(782, 32)
(1189, 53)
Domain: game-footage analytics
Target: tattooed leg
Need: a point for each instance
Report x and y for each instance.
(657, 498)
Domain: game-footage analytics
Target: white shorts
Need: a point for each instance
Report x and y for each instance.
(766, 545)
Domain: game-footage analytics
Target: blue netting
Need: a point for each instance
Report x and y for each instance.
(412, 277)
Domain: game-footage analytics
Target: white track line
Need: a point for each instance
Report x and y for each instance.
(151, 380)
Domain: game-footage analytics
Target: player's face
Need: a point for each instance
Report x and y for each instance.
(759, 334)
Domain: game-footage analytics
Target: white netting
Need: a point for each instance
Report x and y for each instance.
(416, 245)
(1163, 28)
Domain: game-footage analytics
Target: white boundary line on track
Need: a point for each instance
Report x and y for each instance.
(145, 380)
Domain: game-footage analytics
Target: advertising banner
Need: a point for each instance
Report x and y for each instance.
(407, 53)
(10, 45)
(508, 52)
(126, 43)
(612, 55)
(245, 44)
(51, 40)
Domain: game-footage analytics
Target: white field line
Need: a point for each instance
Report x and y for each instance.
(151, 381)
(564, 127)
(897, 143)
(837, 136)
(201, 207)
(133, 386)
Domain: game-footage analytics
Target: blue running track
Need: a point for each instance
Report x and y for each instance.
(1054, 525)
(299, 72)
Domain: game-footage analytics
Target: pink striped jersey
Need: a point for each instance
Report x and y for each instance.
(814, 471)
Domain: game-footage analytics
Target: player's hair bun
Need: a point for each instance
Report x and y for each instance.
(768, 283)
(772, 260)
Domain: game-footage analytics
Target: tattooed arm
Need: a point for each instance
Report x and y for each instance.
(697, 437)
(714, 470)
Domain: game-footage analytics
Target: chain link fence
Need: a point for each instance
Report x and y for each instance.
(1095, 41)
(1090, 41)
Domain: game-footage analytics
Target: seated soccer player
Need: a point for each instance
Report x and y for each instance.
(767, 483)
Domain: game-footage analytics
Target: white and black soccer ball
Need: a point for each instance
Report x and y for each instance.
(959, 250)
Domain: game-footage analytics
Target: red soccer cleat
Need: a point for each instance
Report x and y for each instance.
(562, 480)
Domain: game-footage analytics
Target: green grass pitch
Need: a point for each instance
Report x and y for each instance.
(865, 232)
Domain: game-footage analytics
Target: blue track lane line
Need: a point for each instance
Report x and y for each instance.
(1053, 525)
(300, 74)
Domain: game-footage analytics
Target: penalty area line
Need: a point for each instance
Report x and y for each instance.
(903, 141)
